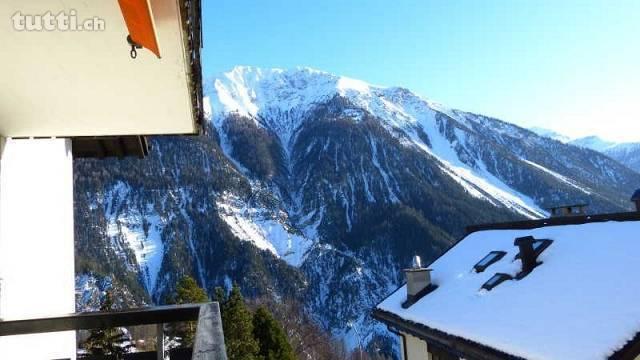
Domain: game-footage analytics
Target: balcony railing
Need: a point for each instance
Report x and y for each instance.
(208, 343)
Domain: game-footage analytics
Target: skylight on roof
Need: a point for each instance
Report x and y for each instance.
(488, 260)
(496, 280)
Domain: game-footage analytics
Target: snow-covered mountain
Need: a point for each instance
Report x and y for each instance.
(594, 143)
(627, 153)
(320, 188)
(551, 134)
(282, 101)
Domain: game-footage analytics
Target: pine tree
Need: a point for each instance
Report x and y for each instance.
(272, 340)
(237, 323)
(112, 341)
(187, 292)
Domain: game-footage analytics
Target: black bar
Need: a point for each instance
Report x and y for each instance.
(102, 320)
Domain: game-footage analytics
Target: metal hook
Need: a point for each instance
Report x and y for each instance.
(133, 53)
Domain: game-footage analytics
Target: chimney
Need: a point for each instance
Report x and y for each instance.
(528, 255)
(569, 210)
(636, 199)
(418, 280)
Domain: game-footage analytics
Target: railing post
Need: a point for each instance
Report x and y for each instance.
(209, 342)
(160, 341)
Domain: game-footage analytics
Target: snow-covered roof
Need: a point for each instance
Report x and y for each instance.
(581, 303)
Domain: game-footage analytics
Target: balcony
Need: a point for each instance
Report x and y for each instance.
(208, 343)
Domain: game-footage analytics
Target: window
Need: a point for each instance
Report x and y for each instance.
(486, 261)
(496, 280)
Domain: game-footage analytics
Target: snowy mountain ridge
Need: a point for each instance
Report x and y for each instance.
(261, 93)
(594, 143)
(627, 153)
(286, 95)
(551, 134)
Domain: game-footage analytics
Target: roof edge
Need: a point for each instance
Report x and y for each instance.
(629, 351)
(191, 12)
(565, 220)
(455, 344)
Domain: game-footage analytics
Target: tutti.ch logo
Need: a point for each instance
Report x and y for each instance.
(62, 21)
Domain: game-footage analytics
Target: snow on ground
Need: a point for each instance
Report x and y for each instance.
(581, 303)
(264, 230)
(564, 179)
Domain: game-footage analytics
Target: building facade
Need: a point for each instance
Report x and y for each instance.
(69, 93)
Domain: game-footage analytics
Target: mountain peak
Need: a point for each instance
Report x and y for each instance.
(279, 93)
(250, 90)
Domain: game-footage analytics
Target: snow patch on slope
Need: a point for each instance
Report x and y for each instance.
(142, 232)
(564, 179)
(263, 230)
(476, 180)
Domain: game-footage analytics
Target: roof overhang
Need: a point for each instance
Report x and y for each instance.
(467, 348)
(453, 344)
(110, 146)
(67, 83)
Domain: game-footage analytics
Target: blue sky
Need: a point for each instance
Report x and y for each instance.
(572, 66)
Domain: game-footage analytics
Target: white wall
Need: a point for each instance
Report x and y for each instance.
(36, 243)
(83, 83)
(416, 348)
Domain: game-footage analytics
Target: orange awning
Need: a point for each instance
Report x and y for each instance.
(137, 16)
